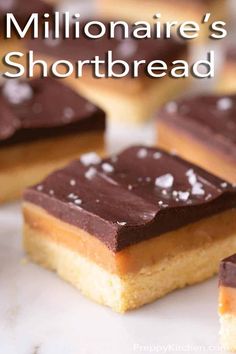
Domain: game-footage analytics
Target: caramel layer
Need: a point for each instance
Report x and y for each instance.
(197, 152)
(23, 154)
(130, 260)
(227, 301)
(26, 164)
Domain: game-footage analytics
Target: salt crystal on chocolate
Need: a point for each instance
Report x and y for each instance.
(91, 158)
(157, 155)
(197, 189)
(68, 113)
(165, 181)
(127, 48)
(121, 223)
(91, 173)
(192, 177)
(183, 196)
(209, 196)
(107, 167)
(17, 92)
(223, 104)
(72, 196)
(72, 182)
(142, 153)
(171, 107)
(78, 201)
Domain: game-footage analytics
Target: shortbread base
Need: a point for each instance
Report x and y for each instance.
(228, 332)
(227, 83)
(124, 103)
(25, 164)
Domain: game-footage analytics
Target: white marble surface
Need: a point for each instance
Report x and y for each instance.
(41, 314)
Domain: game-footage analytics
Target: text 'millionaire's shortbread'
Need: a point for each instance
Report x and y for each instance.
(202, 129)
(227, 302)
(127, 98)
(43, 124)
(128, 229)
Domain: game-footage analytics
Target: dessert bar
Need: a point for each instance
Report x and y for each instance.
(227, 302)
(126, 98)
(131, 228)
(43, 124)
(202, 129)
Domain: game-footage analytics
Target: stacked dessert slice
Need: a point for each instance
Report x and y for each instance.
(202, 129)
(227, 302)
(43, 124)
(131, 228)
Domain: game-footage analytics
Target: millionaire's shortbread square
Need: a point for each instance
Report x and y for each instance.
(128, 229)
(43, 124)
(130, 98)
(227, 302)
(202, 129)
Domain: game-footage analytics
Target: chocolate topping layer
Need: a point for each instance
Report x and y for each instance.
(212, 119)
(137, 195)
(123, 49)
(44, 108)
(227, 274)
(23, 9)
(231, 53)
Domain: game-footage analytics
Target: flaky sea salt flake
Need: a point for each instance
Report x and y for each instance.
(165, 181)
(91, 158)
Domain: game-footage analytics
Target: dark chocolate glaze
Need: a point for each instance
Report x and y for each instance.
(227, 274)
(122, 203)
(231, 53)
(23, 9)
(124, 49)
(44, 108)
(212, 119)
